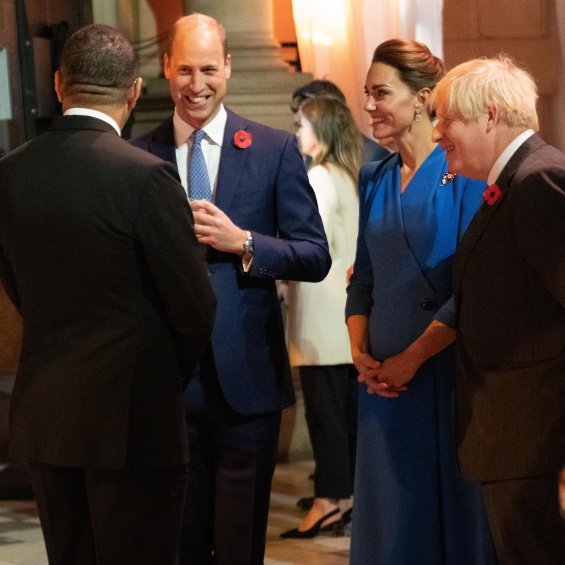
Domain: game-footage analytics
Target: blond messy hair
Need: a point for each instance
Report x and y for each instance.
(471, 88)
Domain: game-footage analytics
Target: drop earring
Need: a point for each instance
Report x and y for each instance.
(417, 115)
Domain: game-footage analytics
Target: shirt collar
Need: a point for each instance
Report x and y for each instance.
(93, 114)
(506, 155)
(214, 129)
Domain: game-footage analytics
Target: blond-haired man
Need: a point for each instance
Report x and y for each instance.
(510, 294)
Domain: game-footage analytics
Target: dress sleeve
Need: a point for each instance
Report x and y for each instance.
(359, 291)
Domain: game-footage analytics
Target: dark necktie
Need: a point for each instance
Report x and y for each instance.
(199, 182)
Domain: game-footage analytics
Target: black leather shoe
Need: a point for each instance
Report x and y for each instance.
(310, 532)
(305, 503)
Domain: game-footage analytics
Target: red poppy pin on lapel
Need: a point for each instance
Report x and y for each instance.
(491, 194)
(242, 139)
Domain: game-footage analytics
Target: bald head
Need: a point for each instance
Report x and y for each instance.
(198, 67)
(201, 23)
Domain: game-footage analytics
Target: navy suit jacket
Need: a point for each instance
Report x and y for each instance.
(264, 189)
(509, 281)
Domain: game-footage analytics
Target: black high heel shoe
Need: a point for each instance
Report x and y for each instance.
(337, 528)
(310, 532)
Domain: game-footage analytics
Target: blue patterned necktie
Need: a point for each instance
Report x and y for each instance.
(199, 182)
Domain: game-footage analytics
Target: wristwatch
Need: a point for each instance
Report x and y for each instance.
(248, 246)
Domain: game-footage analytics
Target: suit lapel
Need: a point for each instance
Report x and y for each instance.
(232, 163)
(162, 144)
(472, 236)
(485, 213)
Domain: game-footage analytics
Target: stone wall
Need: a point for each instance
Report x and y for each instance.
(523, 29)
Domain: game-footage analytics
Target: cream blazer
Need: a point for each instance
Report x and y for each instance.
(316, 330)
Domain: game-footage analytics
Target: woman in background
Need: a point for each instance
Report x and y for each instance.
(317, 335)
(412, 506)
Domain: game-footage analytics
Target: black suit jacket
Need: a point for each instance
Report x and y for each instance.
(510, 295)
(98, 253)
(263, 188)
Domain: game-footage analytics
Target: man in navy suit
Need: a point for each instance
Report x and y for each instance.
(262, 224)
(509, 281)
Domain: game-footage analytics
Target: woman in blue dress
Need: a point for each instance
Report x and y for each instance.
(412, 506)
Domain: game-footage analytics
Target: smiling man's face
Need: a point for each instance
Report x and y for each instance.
(467, 146)
(198, 72)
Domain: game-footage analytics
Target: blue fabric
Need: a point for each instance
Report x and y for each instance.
(412, 507)
(199, 181)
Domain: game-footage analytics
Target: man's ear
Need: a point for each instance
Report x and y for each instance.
(166, 66)
(135, 93)
(492, 117)
(59, 86)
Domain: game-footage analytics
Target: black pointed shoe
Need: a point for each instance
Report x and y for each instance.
(310, 532)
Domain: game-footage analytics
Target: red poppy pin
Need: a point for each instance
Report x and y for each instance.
(242, 139)
(491, 194)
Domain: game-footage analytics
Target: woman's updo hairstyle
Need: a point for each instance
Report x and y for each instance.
(416, 66)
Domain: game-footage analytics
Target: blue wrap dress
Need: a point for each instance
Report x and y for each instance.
(411, 505)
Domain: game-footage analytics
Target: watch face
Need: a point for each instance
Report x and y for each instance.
(248, 244)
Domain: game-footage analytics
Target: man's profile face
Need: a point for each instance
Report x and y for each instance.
(465, 142)
(198, 73)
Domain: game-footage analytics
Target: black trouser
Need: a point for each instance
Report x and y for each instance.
(524, 520)
(330, 401)
(232, 460)
(101, 517)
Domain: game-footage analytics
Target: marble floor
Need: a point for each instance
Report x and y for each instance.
(21, 542)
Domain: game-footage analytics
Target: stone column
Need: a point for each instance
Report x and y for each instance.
(249, 27)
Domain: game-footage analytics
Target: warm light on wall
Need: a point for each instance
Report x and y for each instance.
(318, 37)
(321, 21)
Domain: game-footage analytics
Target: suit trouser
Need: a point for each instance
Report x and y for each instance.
(232, 459)
(103, 517)
(330, 400)
(524, 520)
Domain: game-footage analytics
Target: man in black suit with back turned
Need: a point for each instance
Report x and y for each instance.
(99, 255)
(509, 281)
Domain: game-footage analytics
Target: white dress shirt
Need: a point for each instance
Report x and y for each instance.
(211, 146)
(93, 114)
(506, 155)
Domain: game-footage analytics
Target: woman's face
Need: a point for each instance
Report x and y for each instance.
(307, 140)
(390, 103)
